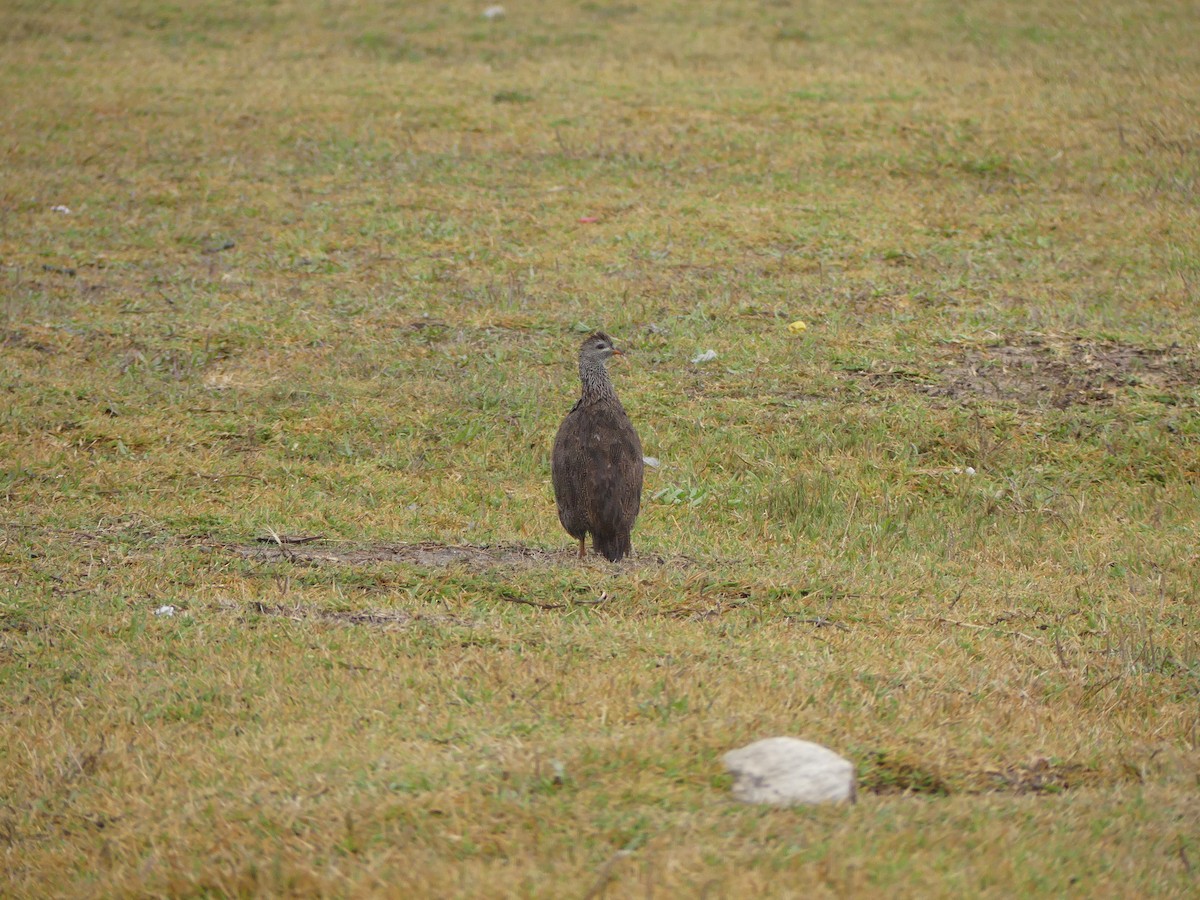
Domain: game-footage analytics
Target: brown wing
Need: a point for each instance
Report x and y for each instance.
(566, 473)
(619, 472)
(612, 480)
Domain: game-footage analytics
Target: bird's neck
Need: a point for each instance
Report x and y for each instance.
(596, 383)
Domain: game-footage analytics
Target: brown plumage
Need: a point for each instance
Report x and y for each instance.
(597, 461)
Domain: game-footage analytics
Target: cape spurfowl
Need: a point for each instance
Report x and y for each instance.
(597, 461)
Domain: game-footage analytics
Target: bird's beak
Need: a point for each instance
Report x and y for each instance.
(617, 352)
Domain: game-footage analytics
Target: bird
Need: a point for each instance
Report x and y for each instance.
(596, 465)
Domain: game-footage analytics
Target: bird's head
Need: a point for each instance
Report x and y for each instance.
(599, 346)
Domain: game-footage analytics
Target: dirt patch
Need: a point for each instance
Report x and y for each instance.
(315, 549)
(28, 340)
(1058, 373)
(891, 773)
(385, 619)
(1038, 776)
(895, 773)
(427, 553)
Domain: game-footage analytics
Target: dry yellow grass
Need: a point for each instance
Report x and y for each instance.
(323, 273)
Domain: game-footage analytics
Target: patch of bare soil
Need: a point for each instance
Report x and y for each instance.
(378, 618)
(890, 773)
(1058, 373)
(27, 339)
(426, 553)
(1038, 776)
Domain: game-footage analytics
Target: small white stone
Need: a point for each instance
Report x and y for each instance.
(165, 611)
(970, 470)
(784, 771)
(706, 356)
(651, 461)
(61, 209)
(494, 12)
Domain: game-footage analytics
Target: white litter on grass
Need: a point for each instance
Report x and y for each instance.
(65, 210)
(706, 356)
(165, 611)
(651, 461)
(969, 470)
(494, 12)
(785, 771)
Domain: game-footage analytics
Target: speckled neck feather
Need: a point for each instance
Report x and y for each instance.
(596, 383)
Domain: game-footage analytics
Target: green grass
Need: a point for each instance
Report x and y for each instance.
(324, 273)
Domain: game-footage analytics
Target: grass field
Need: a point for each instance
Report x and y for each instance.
(320, 270)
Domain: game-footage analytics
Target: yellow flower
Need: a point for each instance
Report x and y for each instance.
(797, 327)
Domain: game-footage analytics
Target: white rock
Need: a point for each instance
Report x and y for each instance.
(784, 771)
(970, 470)
(494, 12)
(651, 461)
(65, 210)
(706, 356)
(165, 611)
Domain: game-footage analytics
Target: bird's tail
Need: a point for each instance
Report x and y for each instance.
(612, 547)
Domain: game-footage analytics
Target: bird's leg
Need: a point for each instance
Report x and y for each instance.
(582, 551)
